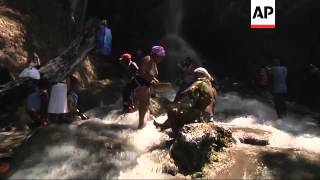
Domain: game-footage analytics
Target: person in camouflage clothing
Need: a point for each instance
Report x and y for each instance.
(195, 104)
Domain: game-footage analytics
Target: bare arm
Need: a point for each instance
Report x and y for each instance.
(184, 93)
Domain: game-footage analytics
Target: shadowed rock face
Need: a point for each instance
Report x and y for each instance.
(194, 143)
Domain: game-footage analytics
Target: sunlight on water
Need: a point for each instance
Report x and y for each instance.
(146, 168)
(147, 137)
(110, 146)
(290, 132)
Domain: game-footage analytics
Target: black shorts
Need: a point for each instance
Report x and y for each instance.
(142, 82)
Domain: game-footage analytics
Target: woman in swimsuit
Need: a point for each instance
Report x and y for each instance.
(147, 76)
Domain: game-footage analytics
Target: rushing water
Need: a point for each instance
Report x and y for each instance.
(109, 146)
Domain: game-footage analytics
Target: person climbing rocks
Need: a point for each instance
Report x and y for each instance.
(186, 68)
(279, 74)
(104, 39)
(73, 98)
(195, 104)
(131, 69)
(147, 77)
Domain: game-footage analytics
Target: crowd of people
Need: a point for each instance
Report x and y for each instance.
(194, 102)
(50, 102)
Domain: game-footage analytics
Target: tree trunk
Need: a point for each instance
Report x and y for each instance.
(63, 65)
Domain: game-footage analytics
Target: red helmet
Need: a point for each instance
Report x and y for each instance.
(126, 57)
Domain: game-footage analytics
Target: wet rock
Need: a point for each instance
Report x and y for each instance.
(254, 139)
(195, 142)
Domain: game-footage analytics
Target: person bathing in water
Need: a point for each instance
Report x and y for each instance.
(195, 104)
(147, 77)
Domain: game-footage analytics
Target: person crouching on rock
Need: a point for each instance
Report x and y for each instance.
(131, 69)
(147, 77)
(195, 104)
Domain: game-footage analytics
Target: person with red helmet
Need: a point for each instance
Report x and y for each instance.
(130, 66)
(128, 91)
(147, 76)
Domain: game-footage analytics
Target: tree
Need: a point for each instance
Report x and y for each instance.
(63, 65)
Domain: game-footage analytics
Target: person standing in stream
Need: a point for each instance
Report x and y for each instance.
(131, 69)
(147, 77)
(279, 74)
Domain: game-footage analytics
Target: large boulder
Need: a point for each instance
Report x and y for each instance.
(195, 142)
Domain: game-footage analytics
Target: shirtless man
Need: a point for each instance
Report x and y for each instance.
(147, 76)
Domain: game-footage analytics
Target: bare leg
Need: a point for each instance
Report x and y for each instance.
(144, 101)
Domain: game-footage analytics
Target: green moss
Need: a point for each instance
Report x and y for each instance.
(213, 156)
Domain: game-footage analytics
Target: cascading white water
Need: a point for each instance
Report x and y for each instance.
(111, 147)
(105, 147)
(296, 130)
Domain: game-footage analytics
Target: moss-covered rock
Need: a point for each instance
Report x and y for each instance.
(195, 144)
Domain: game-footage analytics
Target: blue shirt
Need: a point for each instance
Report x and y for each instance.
(279, 77)
(34, 101)
(104, 40)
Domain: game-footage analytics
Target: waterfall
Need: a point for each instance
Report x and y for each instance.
(177, 48)
(174, 20)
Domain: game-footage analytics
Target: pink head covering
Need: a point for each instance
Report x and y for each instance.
(159, 51)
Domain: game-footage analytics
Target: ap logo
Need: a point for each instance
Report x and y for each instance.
(263, 14)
